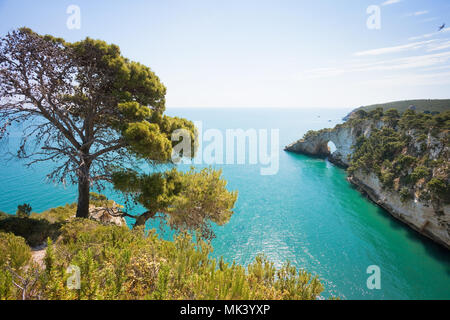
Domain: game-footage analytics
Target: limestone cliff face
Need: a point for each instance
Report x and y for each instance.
(343, 137)
(430, 218)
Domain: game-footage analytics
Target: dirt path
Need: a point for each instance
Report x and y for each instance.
(38, 254)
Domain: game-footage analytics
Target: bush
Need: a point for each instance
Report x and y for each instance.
(391, 117)
(34, 231)
(387, 179)
(376, 114)
(3, 215)
(403, 162)
(405, 194)
(119, 263)
(310, 134)
(439, 188)
(100, 200)
(14, 251)
(57, 215)
(419, 172)
(24, 210)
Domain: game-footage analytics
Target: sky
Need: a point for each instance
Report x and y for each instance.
(278, 53)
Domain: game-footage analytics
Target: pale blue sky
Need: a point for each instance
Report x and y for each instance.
(248, 53)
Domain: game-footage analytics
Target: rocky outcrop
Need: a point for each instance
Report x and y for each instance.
(107, 215)
(344, 137)
(430, 218)
(432, 221)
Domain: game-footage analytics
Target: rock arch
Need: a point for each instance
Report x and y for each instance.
(316, 144)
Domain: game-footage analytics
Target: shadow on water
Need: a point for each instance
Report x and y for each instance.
(434, 249)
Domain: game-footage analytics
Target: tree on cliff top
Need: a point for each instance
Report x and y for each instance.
(83, 106)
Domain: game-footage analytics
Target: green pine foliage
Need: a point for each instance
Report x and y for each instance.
(14, 251)
(23, 210)
(186, 201)
(119, 263)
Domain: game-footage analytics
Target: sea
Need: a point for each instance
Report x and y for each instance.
(300, 209)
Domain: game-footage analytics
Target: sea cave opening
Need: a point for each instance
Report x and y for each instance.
(331, 147)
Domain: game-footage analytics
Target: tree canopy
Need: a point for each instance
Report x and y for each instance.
(87, 108)
(185, 200)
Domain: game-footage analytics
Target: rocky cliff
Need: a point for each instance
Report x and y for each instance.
(428, 219)
(400, 172)
(315, 143)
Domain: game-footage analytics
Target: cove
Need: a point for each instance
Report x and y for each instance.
(307, 213)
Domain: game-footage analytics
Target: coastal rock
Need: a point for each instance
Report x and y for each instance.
(431, 221)
(343, 137)
(430, 218)
(107, 215)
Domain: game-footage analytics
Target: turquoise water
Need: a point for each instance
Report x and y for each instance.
(307, 213)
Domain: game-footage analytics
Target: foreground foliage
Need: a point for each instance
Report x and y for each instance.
(186, 201)
(119, 263)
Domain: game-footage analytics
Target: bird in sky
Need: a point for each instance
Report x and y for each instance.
(442, 27)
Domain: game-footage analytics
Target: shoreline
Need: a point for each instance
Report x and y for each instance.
(370, 194)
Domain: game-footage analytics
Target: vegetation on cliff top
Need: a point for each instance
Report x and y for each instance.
(409, 153)
(119, 263)
(424, 105)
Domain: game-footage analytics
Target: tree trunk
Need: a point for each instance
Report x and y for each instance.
(142, 219)
(83, 192)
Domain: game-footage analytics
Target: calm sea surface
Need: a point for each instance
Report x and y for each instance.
(307, 213)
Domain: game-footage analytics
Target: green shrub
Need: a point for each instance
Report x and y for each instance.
(423, 137)
(403, 162)
(119, 263)
(15, 253)
(6, 285)
(387, 179)
(3, 215)
(405, 194)
(420, 172)
(376, 114)
(310, 134)
(34, 231)
(439, 188)
(58, 214)
(100, 200)
(23, 211)
(370, 153)
(391, 117)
